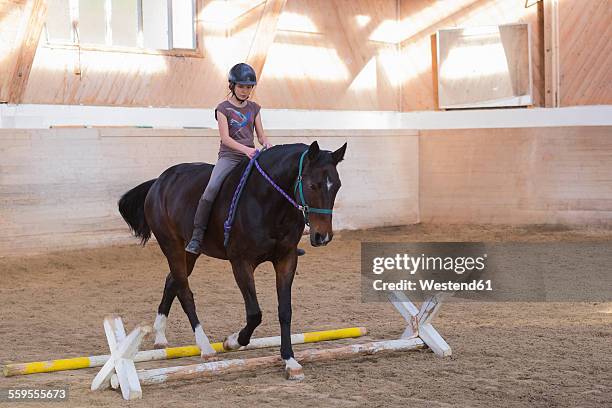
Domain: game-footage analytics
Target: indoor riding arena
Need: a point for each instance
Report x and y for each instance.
(368, 203)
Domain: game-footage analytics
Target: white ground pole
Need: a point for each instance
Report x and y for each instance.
(120, 372)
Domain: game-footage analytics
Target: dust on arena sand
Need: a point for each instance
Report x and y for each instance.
(504, 354)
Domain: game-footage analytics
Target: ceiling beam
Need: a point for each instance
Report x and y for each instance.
(551, 55)
(264, 36)
(32, 19)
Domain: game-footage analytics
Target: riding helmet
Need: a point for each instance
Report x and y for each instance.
(242, 74)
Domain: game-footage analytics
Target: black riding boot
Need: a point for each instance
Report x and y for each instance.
(200, 222)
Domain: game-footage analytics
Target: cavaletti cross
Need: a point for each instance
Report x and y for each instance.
(419, 321)
(123, 349)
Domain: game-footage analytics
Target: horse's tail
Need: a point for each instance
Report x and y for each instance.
(131, 207)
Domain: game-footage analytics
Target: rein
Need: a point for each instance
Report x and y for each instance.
(304, 208)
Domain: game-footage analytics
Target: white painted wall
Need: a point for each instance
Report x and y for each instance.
(60, 186)
(45, 206)
(45, 116)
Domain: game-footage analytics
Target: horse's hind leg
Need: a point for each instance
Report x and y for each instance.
(162, 313)
(244, 275)
(170, 292)
(177, 260)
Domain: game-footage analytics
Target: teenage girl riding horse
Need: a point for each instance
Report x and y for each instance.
(267, 226)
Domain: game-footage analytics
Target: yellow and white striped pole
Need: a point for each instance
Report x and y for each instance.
(77, 363)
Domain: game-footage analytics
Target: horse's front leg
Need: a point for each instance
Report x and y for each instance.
(285, 271)
(244, 275)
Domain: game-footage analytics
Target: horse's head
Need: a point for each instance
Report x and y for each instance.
(320, 183)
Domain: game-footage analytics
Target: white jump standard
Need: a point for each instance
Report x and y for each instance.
(120, 371)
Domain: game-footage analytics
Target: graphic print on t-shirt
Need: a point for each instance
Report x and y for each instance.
(238, 119)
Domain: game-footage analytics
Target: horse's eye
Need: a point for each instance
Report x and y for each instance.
(312, 186)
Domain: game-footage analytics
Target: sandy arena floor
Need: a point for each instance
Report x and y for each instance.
(504, 354)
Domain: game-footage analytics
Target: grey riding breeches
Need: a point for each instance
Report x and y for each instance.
(220, 171)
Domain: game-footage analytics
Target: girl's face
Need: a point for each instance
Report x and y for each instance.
(243, 91)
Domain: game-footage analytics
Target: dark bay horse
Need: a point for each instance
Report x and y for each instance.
(267, 227)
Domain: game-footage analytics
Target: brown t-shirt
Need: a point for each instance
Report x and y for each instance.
(241, 123)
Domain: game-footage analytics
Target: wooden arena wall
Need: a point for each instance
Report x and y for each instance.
(585, 52)
(516, 176)
(59, 187)
(326, 54)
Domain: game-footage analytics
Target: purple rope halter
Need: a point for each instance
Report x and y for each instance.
(280, 190)
(227, 225)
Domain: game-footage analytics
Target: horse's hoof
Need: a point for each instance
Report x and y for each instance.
(207, 352)
(231, 342)
(293, 370)
(208, 357)
(158, 346)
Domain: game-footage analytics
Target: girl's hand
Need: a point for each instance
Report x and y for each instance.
(268, 145)
(250, 152)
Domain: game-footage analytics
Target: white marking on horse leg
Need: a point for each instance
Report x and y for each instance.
(160, 331)
(231, 342)
(203, 342)
(293, 370)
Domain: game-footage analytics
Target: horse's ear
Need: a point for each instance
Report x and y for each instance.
(313, 151)
(338, 155)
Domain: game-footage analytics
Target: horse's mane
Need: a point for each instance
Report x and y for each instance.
(277, 154)
(270, 159)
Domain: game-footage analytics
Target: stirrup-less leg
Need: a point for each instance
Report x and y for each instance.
(200, 223)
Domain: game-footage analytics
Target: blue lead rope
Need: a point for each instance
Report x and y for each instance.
(227, 225)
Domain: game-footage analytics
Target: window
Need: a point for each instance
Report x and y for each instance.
(124, 23)
(488, 66)
(155, 14)
(59, 23)
(136, 24)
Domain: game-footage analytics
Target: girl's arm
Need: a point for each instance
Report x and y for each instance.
(261, 136)
(227, 140)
